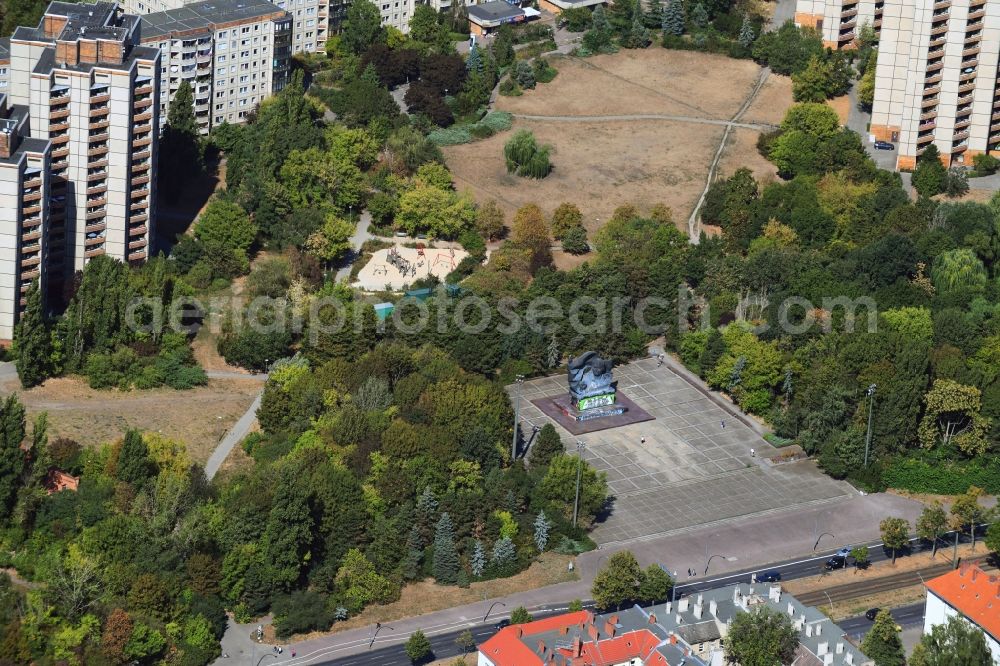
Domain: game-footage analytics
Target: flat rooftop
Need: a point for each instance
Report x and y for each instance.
(204, 16)
(494, 11)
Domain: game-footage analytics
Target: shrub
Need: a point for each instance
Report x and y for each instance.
(450, 136)
(525, 157)
(576, 19)
(575, 241)
(985, 164)
(509, 88)
(300, 612)
(543, 71)
(524, 74)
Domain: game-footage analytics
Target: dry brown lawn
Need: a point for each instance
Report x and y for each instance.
(597, 165)
(602, 164)
(198, 418)
(773, 100)
(741, 151)
(842, 105)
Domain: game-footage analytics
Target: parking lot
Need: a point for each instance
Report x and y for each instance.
(690, 466)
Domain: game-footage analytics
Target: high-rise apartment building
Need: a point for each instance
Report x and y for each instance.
(310, 25)
(936, 79)
(90, 89)
(839, 21)
(4, 64)
(24, 208)
(233, 53)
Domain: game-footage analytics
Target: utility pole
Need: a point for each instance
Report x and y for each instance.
(517, 416)
(868, 436)
(579, 471)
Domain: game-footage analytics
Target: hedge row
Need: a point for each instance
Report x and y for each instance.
(944, 478)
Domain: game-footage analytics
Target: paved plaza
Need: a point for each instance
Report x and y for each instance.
(694, 467)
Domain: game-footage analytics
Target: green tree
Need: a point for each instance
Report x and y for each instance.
(598, 38)
(134, 466)
(542, 527)
(992, 540)
(524, 74)
(699, 15)
(931, 524)
(656, 585)
(32, 348)
(565, 217)
(955, 643)
(446, 562)
(490, 220)
(12, 431)
(478, 562)
(637, 36)
(618, 581)
(362, 27)
(227, 232)
(895, 534)
(529, 232)
(332, 241)
(813, 83)
(525, 157)
(929, 176)
(882, 643)
(860, 556)
(958, 269)
(418, 648)
(761, 637)
(288, 533)
(559, 486)
(315, 178)
(575, 241)
(520, 615)
(952, 416)
(546, 447)
(441, 213)
(967, 512)
(503, 46)
(181, 153)
(465, 642)
(673, 18)
(747, 34)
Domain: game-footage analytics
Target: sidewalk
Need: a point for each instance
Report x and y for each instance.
(747, 543)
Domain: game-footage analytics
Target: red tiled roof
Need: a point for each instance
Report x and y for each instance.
(57, 480)
(505, 648)
(616, 650)
(973, 593)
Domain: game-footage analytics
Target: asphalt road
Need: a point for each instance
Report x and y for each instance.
(444, 645)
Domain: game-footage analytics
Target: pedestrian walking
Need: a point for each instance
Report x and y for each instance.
(753, 453)
(723, 422)
(642, 440)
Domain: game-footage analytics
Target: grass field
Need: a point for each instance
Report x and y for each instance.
(603, 157)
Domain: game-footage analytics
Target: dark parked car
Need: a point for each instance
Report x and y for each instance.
(835, 562)
(871, 613)
(884, 145)
(502, 623)
(772, 576)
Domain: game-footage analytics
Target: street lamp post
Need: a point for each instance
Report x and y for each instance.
(492, 606)
(579, 471)
(378, 627)
(710, 561)
(517, 416)
(816, 545)
(868, 435)
(269, 654)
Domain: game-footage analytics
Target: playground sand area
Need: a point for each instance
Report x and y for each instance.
(397, 267)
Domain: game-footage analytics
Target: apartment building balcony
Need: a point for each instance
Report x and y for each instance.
(96, 214)
(934, 67)
(144, 89)
(138, 193)
(137, 256)
(33, 182)
(877, 23)
(145, 115)
(995, 127)
(59, 114)
(931, 93)
(98, 124)
(32, 222)
(59, 126)
(140, 142)
(101, 98)
(97, 189)
(137, 244)
(30, 261)
(141, 127)
(96, 252)
(141, 180)
(942, 4)
(28, 275)
(971, 51)
(139, 230)
(96, 112)
(31, 210)
(937, 42)
(142, 103)
(30, 236)
(847, 26)
(966, 87)
(102, 135)
(939, 30)
(141, 155)
(925, 138)
(996, 115)
(963, 123)
(96, 240)
(96, 151)
(95, 228)
(955, 150)
(31, 196)
(932, 79)
(139, 205)
(99, 162)
(848, 13)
